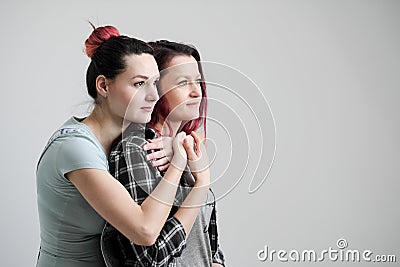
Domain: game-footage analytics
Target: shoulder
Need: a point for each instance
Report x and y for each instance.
(72, 131)
(77, 142)
(78, 151)
(133, 141)
(129, 146)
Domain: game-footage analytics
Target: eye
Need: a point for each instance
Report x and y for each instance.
(183, 83)
(156, 82)
(198, 81)
(138, 84)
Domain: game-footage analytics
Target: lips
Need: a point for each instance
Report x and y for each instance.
(191, 104)
(148, 109)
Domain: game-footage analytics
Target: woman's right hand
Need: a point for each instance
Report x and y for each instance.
(179, 159)
(163, 156)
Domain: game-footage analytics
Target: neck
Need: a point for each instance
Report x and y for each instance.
(104, 127)
(162, 126)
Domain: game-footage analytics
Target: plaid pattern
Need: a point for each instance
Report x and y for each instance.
(129, 166)
(213, 234)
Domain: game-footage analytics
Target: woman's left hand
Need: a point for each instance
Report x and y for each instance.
(197, 155)
(162, 157)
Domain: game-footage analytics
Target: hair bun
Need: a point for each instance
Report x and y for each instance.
(99, 36)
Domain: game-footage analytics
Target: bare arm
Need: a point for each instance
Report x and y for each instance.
(141, 224)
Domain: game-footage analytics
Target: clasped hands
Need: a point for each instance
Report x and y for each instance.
(179, 150)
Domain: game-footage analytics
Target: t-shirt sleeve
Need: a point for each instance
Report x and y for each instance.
(79, 152)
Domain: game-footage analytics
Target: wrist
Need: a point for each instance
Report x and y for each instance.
(203, 174)
(201, 179)
(173, 174)
(178, 163)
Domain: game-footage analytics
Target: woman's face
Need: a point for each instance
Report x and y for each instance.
(180, 85)
(133, 93)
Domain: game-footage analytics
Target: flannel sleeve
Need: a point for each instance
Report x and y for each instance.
(136, 173)
(169, 245)
(140, 179)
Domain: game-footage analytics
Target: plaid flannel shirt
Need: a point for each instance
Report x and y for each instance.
(129, 166)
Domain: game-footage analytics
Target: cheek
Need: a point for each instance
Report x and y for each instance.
(133, 106)
(121, 99)
(137, 99)
(175, 99)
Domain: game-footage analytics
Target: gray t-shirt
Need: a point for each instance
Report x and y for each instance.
(69, 227)
(198, 250)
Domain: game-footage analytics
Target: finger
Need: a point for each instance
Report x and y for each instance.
(178, 146)
(160, 162)
(159, 139)
(156, 155)
(155, 145)
(198, 142)
(188, 140)
(197, 136)
(188, 144)
(163, 167)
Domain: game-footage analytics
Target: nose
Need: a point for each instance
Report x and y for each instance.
(195, 89)
(151, 93)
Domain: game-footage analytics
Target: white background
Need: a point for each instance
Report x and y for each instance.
(329, 70)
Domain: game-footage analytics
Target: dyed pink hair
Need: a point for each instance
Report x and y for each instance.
(98, 36)
(164, 51)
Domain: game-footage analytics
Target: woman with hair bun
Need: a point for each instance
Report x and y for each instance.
(75, 192)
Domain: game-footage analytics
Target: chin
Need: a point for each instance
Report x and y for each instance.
(138, 120)
(189, 118)
(143, 120)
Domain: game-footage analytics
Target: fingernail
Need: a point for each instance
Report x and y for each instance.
(145, 147)
(147, 157)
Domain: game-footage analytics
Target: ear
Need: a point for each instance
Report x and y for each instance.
(101, 86)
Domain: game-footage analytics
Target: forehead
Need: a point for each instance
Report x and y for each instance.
(143, 64)
(182, 66)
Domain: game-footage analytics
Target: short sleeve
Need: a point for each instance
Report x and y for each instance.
(79, 152)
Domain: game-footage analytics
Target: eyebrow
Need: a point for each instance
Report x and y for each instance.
(188, 76)
(140, 76)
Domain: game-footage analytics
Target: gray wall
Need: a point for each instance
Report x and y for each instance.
(328, 69)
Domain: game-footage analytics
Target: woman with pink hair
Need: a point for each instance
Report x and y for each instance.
(181, 108)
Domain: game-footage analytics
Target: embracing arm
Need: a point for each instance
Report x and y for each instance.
(109, 198)
(141, 224)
